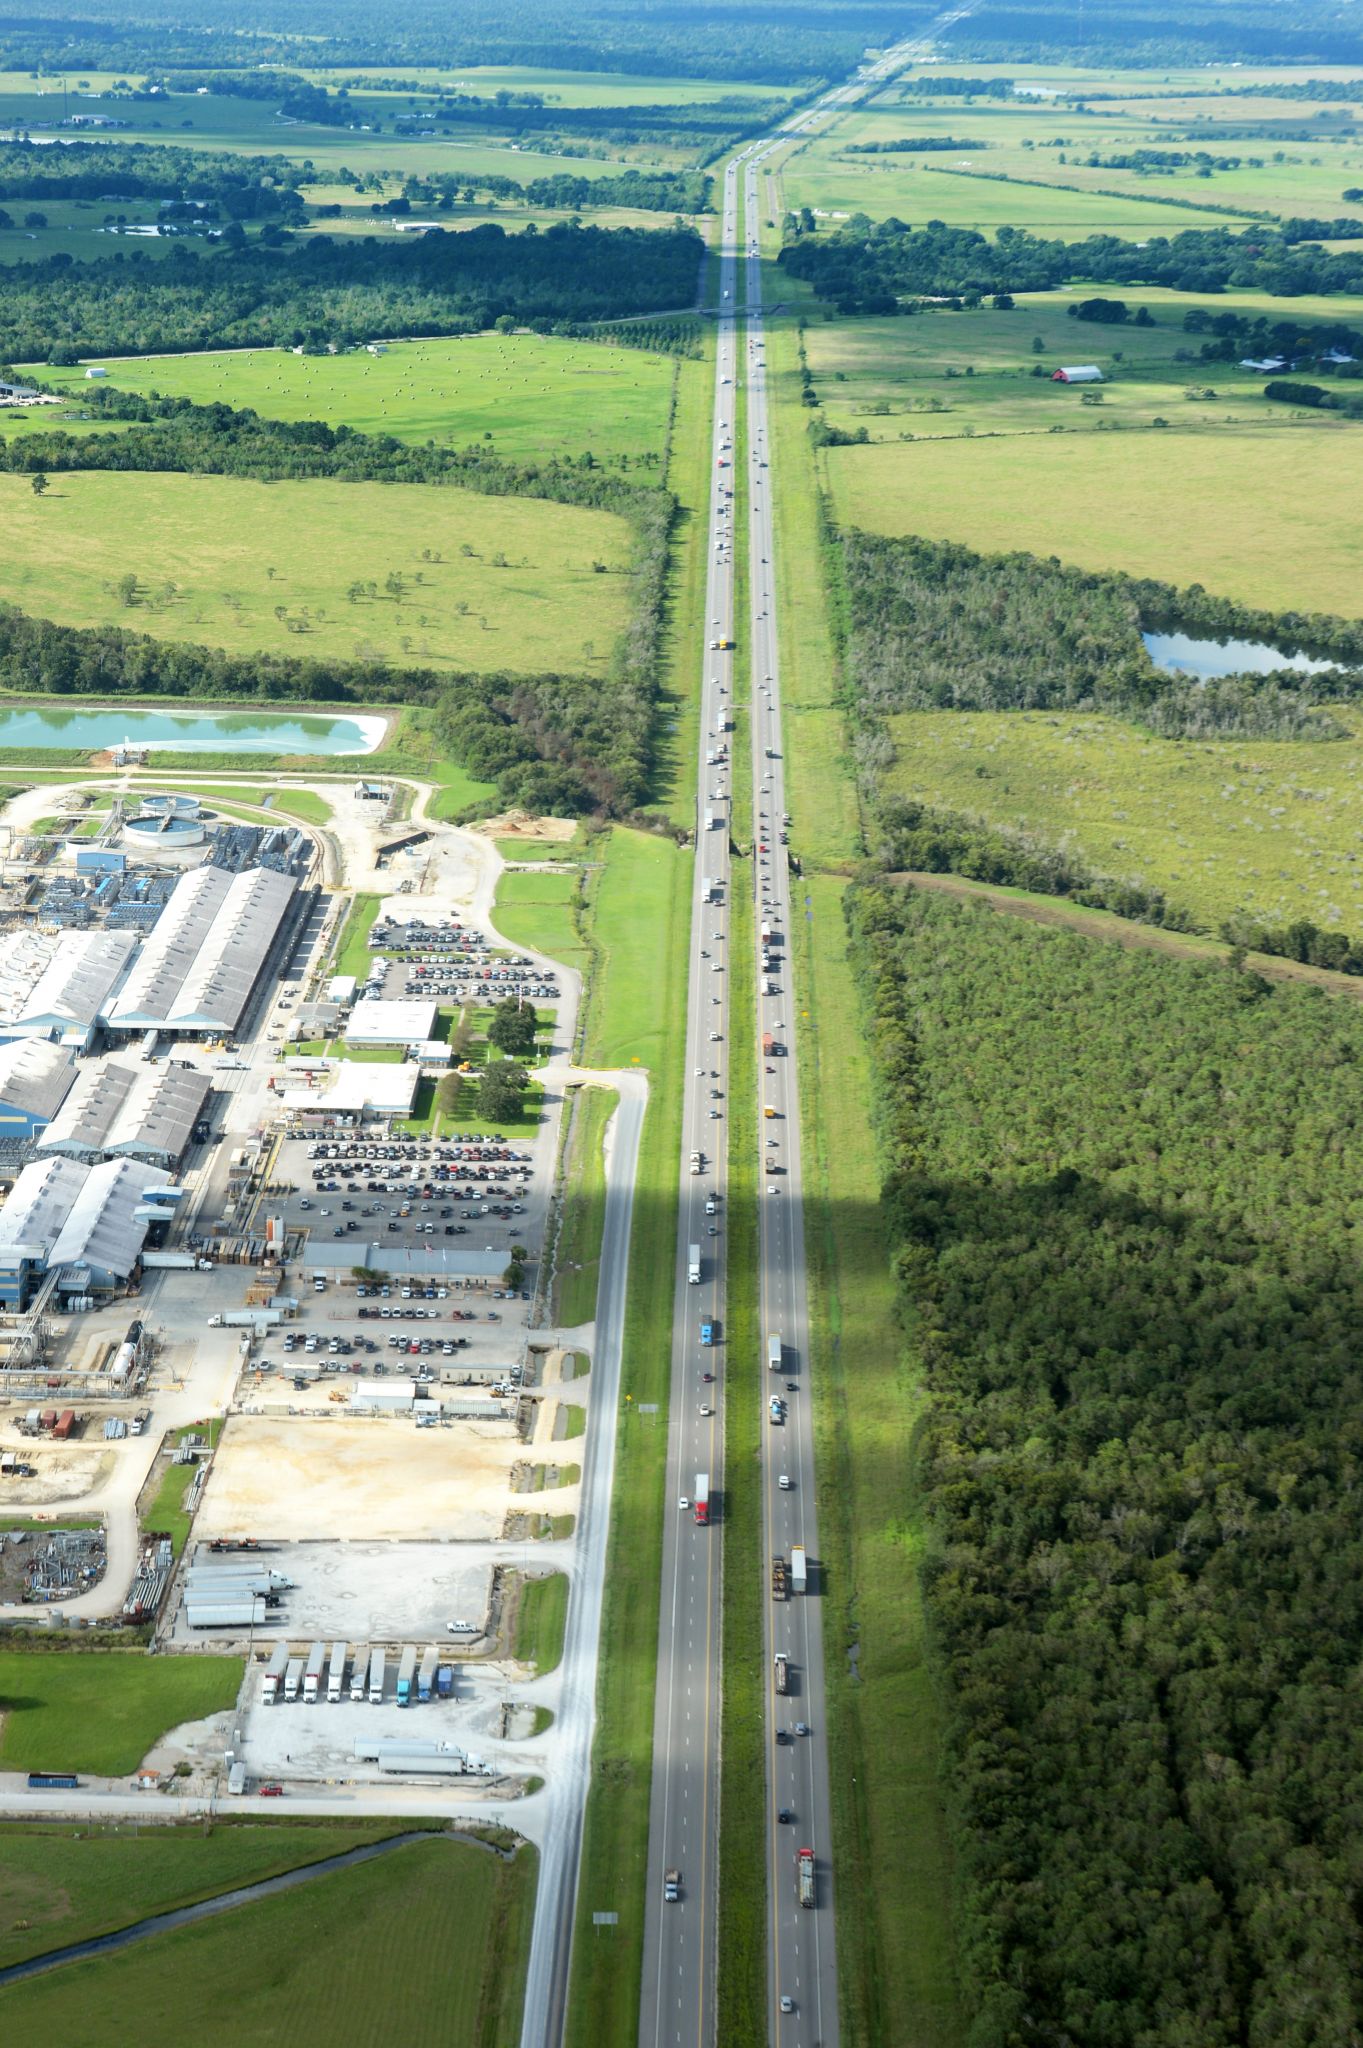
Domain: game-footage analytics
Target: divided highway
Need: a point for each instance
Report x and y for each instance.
(678, 1999)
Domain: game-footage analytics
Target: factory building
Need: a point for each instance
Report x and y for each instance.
(87, 1224)
(35, 1077)
(60, 985)
(120, 1111)
(201, 961)
(355, 1089)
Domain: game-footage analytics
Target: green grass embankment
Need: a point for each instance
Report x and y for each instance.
(578, 1269)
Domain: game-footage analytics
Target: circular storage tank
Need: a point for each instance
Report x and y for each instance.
(173, 805)
(156, 833)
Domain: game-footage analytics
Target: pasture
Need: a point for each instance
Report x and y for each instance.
(1219, 826)
(82, 1711)
(58, 1887)
(1210, 507)
(419, 576)
(445, 1926)
(524, 396)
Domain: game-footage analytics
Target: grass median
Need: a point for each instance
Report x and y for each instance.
(578, 1270)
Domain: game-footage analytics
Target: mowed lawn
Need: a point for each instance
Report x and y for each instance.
(57, 1887)
(1220, 826)
(1209, 508)
(417, 576)
(525, 395)
(82, 1711)
(427, 1944)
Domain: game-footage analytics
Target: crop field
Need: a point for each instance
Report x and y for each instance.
(520, 395)
(420, 576)
(78, 1711)
(58, 1886)
(445, 1937)
(1220, 826)
(1204, 507)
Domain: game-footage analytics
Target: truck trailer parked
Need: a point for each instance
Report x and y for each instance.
(274, 1674)
(407, 1676)
(378, 1671)
(312, 1676)
(425, 1684)
(247, 1612)
(359, 1674)
(336, 1673)
(293, 1678)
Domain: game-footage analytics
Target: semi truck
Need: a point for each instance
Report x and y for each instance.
(274, 1674)
(359, 1674)
(693, 1265)
(444, 1682)
(770, 1047)
(247, 1612)
(312, 1676)
(336, 1673)
(425, 1684)
(293, 1678)
(779, 1585)
(781, 1672)
(804, 1876)
(797, 1568)
(378, 1669)
(774, 1353)
(406, 1676)
(702, 1499)
(246, 1319)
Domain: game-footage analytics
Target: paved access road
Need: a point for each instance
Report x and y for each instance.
(678, 2001)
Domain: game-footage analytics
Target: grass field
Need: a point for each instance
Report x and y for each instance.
(445, 1929)
(352, 951)
(409, 576)
(537, 910)
(304, 804)
(578, 1270)
(640, 922)
(80, 1711)
(1218, 825)
(522, 395)
(540, 1620)
(59, 1886)
(1187, 507)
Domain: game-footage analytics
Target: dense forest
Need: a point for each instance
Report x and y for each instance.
(793, 42)
(870, 267)
(650, 191)
(228, 186)
(1119, 1200)
(933, 626)
(344, 291)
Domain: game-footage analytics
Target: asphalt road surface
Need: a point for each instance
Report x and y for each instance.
(678, 1998)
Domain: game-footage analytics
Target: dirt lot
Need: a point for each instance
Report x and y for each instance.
(297, 1481)
(374, 1592)
(63, 1474)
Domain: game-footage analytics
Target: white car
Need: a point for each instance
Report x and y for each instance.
(784, 1482)
(683, 1503)
(706, 1410)
(460, 1628)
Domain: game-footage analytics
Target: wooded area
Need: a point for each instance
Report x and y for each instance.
(1121, 1194)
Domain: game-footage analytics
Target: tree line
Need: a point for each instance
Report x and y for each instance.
(647, 191)
(235, 187)
(1118, 1194)
(549, 742)
(342, 291)
(873, 267)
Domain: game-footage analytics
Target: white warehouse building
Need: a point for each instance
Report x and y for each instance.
(116, 1110)
(377, 1022)
(60, 985)
(201, 961)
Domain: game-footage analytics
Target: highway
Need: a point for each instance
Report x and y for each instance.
(678, 1996)
(680, 1936)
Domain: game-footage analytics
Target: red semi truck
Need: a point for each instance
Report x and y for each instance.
(702, 1499)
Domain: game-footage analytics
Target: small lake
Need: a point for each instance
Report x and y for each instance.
(1177, 654)
(191, 732)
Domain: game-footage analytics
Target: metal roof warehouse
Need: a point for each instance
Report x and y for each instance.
(136, 1112)
(205, 952)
